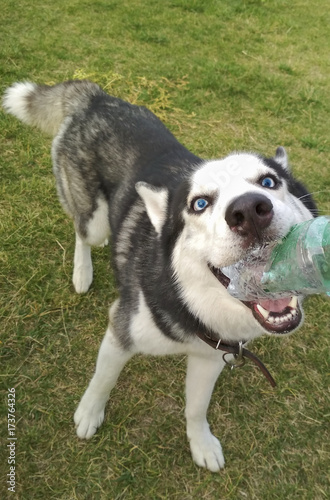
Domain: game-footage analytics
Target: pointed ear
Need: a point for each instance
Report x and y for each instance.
(282, 158)
(155, 200)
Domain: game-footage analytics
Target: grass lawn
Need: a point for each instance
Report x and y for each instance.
(223, 75)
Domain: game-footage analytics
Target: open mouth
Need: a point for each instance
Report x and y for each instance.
(277, 316)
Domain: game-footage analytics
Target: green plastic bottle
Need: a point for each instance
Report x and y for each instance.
(301, 261)
(299, 264)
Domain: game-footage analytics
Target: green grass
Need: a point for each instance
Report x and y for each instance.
(223, 75)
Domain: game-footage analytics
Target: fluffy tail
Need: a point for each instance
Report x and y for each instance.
(46, 107)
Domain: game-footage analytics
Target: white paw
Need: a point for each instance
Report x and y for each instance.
(88, 417)
(82, 278)
(207, 452)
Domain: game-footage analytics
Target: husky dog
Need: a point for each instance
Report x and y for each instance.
(175, 220)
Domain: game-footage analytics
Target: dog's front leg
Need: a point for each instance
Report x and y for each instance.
(202, 374)
(111, 360)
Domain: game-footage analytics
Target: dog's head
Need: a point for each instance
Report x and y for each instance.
(224, 210)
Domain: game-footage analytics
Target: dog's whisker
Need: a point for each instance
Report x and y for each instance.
(313, 193)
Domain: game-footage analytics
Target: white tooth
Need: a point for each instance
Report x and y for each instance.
(271, 319)
(263, 311)
(294, 302)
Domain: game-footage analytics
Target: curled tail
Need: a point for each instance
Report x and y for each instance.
(45, 106)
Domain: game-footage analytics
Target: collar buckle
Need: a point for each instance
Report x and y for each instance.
(235, 360)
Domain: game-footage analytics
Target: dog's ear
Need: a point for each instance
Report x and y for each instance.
(155, 200)
(282, 158)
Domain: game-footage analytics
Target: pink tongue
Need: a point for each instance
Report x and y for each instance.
(275, 305)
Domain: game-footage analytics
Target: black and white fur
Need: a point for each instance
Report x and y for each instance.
(175, 221)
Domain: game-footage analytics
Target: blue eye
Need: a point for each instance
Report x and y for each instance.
(199, 204)
(268, 182)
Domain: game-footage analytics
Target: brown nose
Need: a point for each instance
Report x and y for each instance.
(249, 215)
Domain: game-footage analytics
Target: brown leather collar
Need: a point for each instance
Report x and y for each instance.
(239, 353)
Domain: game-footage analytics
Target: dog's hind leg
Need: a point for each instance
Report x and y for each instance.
(111, 360)
(82, 266)
(96, 232)
(202, 374)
